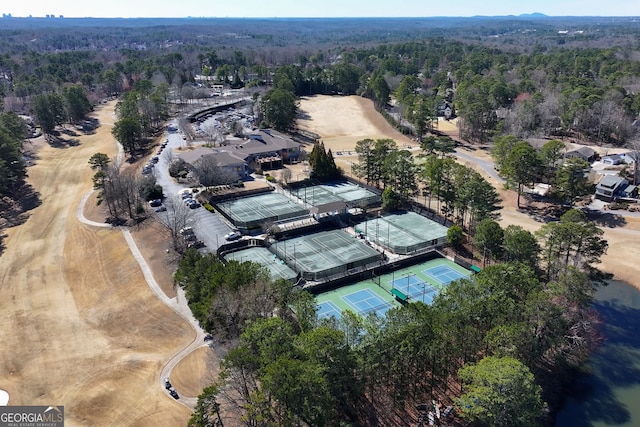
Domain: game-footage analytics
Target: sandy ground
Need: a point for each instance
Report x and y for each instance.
(342, 121)
(81, 328)
(201, 364)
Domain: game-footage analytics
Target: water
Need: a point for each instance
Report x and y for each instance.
(608, 394)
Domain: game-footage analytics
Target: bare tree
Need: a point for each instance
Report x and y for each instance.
(187, 131)
(168, 155)
(285, 176)
(177, 218)
(121, 193)
(634, 146)
(212, 132)
(208, 172)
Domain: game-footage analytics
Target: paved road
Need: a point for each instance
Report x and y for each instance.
(485, 165)
(209, 227)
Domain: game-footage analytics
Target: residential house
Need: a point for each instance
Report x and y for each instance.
(610, 187)
(445, 110)
(612, 159)
(585, 153)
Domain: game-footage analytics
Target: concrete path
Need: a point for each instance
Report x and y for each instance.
(178, 304)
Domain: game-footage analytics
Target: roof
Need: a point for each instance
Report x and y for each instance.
(629, 189)
(585, 151)
(611, 181)
(265, 141)
(613, 157)
(225, 158)
(222, 157)
(193, 155)
(329, 207)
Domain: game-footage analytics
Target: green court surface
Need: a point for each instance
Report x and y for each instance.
(419, 282)
(318, 195)
(277, 267)
(403, 233)
(252, 211)
(320, 255)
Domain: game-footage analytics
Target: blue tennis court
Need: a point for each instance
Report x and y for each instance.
(365, 302)
(444, 274)
(328, 309)
(415, 289)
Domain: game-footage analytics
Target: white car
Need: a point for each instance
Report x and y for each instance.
(234, 235)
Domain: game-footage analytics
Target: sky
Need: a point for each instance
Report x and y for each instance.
(313, 8)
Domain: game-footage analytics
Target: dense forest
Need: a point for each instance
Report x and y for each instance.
(527, 316)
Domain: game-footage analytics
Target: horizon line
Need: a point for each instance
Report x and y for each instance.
(522, 15)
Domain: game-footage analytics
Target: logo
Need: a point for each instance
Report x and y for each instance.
(31, 416)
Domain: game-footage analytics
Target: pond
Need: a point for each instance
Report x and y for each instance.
(608, 393)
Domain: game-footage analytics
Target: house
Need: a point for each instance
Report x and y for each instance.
(223, 159)
(630, 192)
(445, 110)
(612, 159)
(610, 187)
(585, 153)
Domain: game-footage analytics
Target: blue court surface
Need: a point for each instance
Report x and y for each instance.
(365, 302)
(415, 289)
(444, 274)
(328, 309)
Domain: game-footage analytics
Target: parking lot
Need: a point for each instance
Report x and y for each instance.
(208, 226)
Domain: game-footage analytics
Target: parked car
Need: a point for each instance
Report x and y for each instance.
(161, 208)
(234, 235)
(186, 230)
(155, 203)
(194, 205)
(196, 244)
(167, 384)
(174, 393)
(155, 159)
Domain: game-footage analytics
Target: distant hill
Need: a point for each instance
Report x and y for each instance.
(532, 15)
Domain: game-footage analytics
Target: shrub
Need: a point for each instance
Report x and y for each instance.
(208, 207)
(270, 178)
(455, 236)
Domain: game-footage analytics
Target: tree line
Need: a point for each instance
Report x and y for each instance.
(521, 324)
(454, 191)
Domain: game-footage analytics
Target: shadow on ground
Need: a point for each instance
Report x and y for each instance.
(605, 219)
(15, 211)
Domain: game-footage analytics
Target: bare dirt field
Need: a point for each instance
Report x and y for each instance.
(81, 328)
(202, 364)
(342, 121)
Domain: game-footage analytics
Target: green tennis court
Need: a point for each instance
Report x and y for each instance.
(320, 255)
(277, 267)
(403, 233)
(253, 211)
(344, 191)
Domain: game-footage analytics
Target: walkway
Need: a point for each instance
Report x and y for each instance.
(178, 304)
